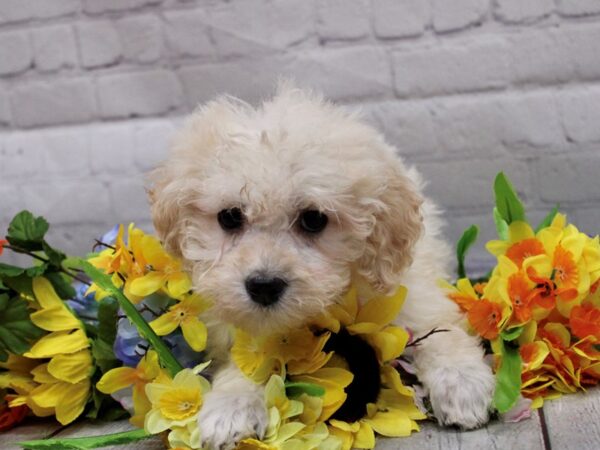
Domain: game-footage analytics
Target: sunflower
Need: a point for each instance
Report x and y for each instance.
(61, 384)
(349, 353)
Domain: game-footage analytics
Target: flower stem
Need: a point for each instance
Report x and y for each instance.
(90, 442)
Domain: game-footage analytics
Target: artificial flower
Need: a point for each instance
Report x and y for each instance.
(121, 378)
(175, 403)
(185, 315)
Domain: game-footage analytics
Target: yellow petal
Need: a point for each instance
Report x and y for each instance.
(73, 403)
(364, 438)
(58, 342)
(41, 375)
(72, 368)
(393, 423)
(165, 324)
(45, 293)
(497, 248)
(519, 231)
(194, 333)
(389, 343)
(116, 379)
(48, 395)
(148, 284)
(56, 318)
(178, 284)
(382, 310)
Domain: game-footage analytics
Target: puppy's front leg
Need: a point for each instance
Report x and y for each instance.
(233, 410)
(460, 383)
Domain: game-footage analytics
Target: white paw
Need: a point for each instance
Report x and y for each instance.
(462, 397)
(227, 418)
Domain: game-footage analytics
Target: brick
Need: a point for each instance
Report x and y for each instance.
(407, 125)
(22, 155)
(518, 11)
(340, 73)
(468, 184)
(141, 38)
(78, 238)
(96, 7)
(53, 103)
(68, 201)
(587, 220)
(463, 66)
(578, 7)
(243, 27)
(582, 46)
(400, 18)
(580, 110)
(138, 94)
(532, 121)
(99, 44)
(187, 33)
(340, 19)
(111, 148)
(54, 8)
(249, 79)
(15, 52)
(469, 126)
(12, 203)
(54, 48)
(129, 200)
(458, 14)
(539, 57)
(66, 152)
(151, 143)
(15, 11)
(570, 178)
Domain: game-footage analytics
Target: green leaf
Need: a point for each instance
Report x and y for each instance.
(296, 389)
(16, 329)
(512, 333)
(36, 271)
(508, 379)
(104, 282)
(509, 206)
(548, 219)
(104, 355)
(501, 225)
(27, 231)
(56, 257)
(108, 311)
(21, 284)
(7, 270)
(464, 243)
(61, 284)
(86, 443)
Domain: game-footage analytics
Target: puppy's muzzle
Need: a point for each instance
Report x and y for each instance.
(265, 290)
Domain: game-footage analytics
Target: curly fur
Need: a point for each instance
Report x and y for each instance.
(297, 151)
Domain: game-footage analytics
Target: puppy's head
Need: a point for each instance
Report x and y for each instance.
(275, 209)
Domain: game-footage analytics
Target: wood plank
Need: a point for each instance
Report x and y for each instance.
(33, 428)
(526, 434)
(573, 421)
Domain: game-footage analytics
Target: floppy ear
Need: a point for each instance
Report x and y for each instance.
(398, 226)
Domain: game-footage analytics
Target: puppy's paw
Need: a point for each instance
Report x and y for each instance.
(227, 418)
(462, 396)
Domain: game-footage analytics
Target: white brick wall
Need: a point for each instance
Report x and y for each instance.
(92, 90)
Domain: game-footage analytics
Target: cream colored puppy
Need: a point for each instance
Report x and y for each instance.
(275, 211)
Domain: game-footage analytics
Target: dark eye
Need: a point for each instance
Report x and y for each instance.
(312, 221)
(231, 219)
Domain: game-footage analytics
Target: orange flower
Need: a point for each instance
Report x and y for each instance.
(546, 291)
(585, 321)
(565, 268)
(10, 417)
(524, 249)
(3, 242)
(485, 316)
(520, 294)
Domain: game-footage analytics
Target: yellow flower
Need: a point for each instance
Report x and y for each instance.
(62, 384)
(175, 402)
(185, 314)
(165, 271)
(147, 370)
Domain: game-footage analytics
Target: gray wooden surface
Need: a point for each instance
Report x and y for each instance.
(571, 422)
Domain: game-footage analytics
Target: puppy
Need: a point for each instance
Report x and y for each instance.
(275, 211)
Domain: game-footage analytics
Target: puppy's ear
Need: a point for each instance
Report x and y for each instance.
(398, 226)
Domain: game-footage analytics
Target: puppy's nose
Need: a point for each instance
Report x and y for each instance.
(265, 290)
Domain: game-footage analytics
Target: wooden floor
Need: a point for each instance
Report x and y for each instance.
(571, 422)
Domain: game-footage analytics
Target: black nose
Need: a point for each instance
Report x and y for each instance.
(265, 290)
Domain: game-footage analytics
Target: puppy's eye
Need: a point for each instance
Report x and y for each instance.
(231, 219)
(312, 221)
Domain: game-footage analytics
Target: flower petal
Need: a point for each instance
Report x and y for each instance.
(194, 333)
(73, 402)
(58, 342)
(72, 368)
(148, 284)
(165, 324)
(116, 379)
